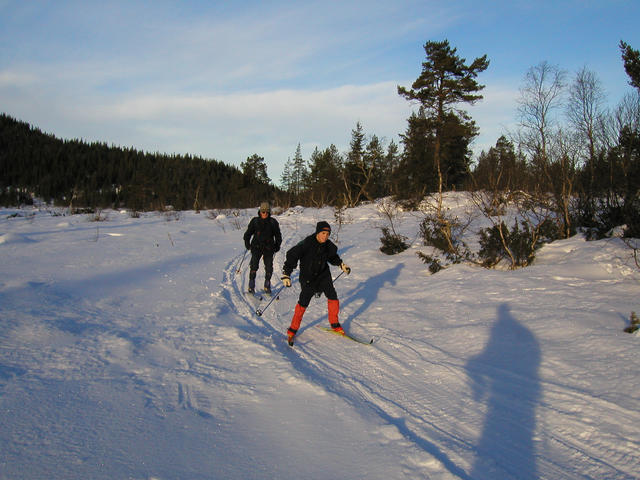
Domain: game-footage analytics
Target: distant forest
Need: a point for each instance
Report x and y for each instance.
(76, 173)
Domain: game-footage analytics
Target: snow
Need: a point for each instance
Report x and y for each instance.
(129, 351)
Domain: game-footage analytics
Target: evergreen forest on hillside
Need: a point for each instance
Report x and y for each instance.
(73, 172)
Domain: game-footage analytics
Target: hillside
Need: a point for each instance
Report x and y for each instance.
(97, 175)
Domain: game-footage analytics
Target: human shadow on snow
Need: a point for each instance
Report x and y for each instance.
(368, 291)
(505, 377)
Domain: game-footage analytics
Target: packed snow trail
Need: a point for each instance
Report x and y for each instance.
(503, 400)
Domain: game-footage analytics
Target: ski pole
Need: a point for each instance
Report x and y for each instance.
(245, 254)
(336, 279)
(259, 312)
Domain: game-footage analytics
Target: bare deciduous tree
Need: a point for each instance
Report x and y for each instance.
(551, 150)
(585, 112)
(540, 97)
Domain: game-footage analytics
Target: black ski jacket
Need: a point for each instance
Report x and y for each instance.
(263, 234)
(314, 258)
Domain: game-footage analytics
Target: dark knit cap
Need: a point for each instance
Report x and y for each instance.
(323, 227)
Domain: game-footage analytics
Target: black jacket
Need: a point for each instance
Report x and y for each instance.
(263, 234)
(314, 258)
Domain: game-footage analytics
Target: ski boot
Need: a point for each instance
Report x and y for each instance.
(290, 335)
(336, 327)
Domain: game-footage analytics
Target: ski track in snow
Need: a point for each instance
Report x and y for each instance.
(406, 407)
(471, 386)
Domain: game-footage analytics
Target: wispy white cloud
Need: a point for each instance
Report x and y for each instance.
(210, 48)
(346, 98)
(16, 79)
(232, 127)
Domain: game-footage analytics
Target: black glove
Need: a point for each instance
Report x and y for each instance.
(276, 248)
(247, 245)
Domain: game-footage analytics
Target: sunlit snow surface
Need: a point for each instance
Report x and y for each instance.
(129, 350)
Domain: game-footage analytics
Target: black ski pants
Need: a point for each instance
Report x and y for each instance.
(267, 257)
(321, 285)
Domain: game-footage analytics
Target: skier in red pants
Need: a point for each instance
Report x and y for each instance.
(314, 253)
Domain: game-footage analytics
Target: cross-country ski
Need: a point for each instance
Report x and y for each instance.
(349, 336)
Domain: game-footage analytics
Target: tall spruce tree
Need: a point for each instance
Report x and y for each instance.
(285, 177)
(417, 173)
(446, 82)
(390, 167)
(374, 161)
(298, 173)
(355, 171)
(324, 182)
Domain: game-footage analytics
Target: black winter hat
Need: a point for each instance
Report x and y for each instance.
(322, 227)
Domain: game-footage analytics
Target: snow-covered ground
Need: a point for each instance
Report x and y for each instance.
(128, 350)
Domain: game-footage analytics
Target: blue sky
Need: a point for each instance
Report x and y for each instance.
(228, 79)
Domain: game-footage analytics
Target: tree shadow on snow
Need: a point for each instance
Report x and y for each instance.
(505, 377)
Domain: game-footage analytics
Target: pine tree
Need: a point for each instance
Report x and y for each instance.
(255, 169)
(631, 60)
(445, 83)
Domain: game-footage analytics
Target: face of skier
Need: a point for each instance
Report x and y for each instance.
(323, 236)
(264, 214)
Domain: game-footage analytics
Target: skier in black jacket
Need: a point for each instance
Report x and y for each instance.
(263, 238)
(314, 253)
